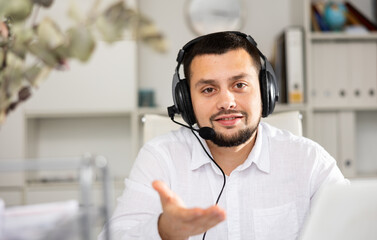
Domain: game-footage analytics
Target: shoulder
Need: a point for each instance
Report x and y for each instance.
(281, 135)
(288, 151)
(177, 143)
(160, 156)
(284, 142)
(181, 137)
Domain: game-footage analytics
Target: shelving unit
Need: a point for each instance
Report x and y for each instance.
(340, 36)
(336, 123)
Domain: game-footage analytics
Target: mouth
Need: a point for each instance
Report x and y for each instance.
(228, 120)
(231, 117)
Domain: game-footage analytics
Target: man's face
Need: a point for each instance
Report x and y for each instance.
(226, 96)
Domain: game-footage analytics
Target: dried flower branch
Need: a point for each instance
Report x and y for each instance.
(52, 48)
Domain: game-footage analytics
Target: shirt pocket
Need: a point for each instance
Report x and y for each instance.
(276, 223)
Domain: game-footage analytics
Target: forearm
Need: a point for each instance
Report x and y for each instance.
(136, 214)
(126, 229)
(139, 207)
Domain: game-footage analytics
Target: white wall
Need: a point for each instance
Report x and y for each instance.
(264, 21)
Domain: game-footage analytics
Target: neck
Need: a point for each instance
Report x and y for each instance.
(229, 158)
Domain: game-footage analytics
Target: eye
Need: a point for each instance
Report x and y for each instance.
(240, 85)
(208, 90)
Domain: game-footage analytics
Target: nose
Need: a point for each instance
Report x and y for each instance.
(226, 100)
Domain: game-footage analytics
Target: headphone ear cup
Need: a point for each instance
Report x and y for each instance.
(183, 98)
(268, 90)
(264, 85)
(273, 92)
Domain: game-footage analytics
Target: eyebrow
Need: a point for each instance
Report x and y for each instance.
(213, 82)
(239, 76)
(204, 82)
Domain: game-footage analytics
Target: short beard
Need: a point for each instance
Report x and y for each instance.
(237, 139)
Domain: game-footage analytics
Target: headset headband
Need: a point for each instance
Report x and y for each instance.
(250, 39)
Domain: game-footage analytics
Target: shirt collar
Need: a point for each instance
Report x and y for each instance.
(259, 154)
(199, 157)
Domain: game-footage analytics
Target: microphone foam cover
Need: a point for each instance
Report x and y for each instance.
(207, 133)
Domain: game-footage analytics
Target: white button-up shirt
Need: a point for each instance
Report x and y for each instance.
(266, 197)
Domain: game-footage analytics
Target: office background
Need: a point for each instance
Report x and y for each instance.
(94, 107)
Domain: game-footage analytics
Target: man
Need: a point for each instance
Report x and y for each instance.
(271, 175)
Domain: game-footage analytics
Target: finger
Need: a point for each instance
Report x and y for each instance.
(191, 216)
(211, 212)
(167, 196)
(162, 189)
(215, 211)
(188, 215)
(207, 218)
(215, 215)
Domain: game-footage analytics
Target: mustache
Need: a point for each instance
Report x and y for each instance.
(229, 111)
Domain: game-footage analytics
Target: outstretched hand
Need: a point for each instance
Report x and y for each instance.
(179, 222)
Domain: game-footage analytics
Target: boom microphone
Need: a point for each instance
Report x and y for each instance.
(207, 133)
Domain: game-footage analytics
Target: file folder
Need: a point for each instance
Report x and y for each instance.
(362, 73)
(346, 141)
(294, 45)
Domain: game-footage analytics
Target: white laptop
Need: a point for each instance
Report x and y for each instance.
(344, 212)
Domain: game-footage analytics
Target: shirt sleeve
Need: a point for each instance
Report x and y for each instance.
(325, 172)
(139, 207)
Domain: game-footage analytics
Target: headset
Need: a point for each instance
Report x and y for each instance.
(181, 91)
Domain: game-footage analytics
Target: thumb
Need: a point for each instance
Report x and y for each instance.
(166, 195)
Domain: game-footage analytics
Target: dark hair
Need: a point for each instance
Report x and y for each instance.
(219, 43)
